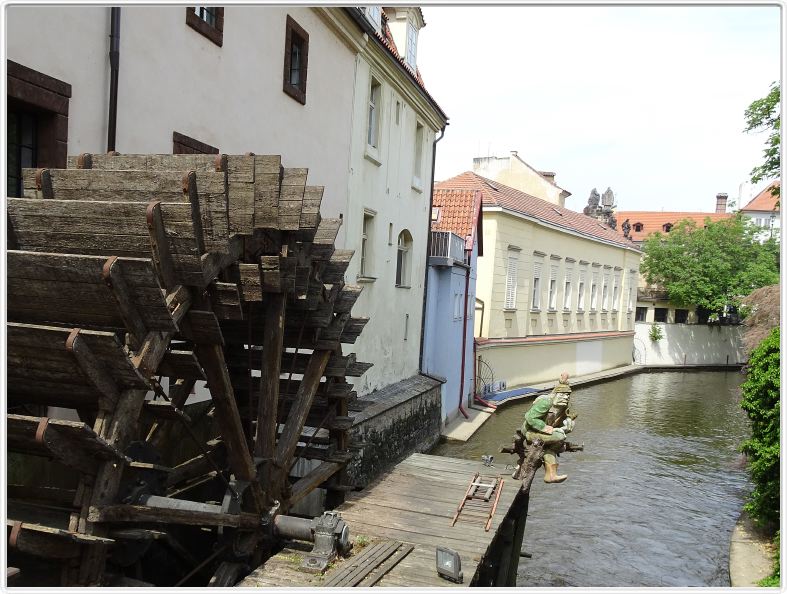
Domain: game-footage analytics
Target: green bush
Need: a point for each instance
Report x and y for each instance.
(655, 333)
(761, 402)
(772, 581)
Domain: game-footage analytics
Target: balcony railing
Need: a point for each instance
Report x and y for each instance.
(447, 249)
(648, 294)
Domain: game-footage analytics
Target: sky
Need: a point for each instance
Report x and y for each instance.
(649, 101)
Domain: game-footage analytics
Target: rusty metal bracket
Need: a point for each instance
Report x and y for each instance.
(16, 528)
(41, 429)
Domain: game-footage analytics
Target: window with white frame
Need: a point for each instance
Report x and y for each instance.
(512, 268)
(632, 276)
(567, 289)
(373, 124)
(418, 155)
(594, 292)
(403, 250)
(581, 291)
(373, 15)
(366, 244)
(412, 42)
(457, 306)
(605, 293)
(615, 292)
(553, 288)
(536, 299)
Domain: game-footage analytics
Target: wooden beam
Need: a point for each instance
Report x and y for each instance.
(265, 440)
(162, 256)
(285, 449)
(113, 277)
(211, 357)
(93, 369)
(144, 514)
(313, 480)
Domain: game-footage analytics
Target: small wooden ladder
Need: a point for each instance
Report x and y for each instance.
(483, 493)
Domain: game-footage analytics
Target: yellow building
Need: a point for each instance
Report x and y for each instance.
(556, 289)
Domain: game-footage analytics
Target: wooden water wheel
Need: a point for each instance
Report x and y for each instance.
(131, 280)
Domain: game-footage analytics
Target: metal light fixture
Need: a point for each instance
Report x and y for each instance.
(449, 565)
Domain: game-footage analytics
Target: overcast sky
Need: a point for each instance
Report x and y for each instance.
(647, 100)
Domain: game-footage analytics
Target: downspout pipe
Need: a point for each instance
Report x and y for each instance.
(464, 339)
(114, 68)
(428, 248)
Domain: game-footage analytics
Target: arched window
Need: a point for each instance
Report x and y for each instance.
(403, 249)
(667, 227)
(638, 227)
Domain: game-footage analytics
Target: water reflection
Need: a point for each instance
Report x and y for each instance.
(654, 497)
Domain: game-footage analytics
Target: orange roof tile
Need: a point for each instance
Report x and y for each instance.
(653, 221)
(497, 194)
(459, 213)
(764, 201)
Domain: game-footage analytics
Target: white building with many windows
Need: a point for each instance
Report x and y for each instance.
(555, 291)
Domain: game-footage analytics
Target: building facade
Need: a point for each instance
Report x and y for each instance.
(763, 212)
(513, 172)
(326, 88)
(556, 289)
(455, 246)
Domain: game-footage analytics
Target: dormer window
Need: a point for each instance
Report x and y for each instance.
(638, 227)
(667, 227)
(373, 15)
(412, 41)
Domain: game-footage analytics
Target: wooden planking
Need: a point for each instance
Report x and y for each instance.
(181, 364)
(34, 347)
(312, 480)
(60, 287)
(151, 162)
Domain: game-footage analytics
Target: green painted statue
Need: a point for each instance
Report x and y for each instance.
(549, 420)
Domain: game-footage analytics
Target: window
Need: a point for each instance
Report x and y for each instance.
(640, 314)
(594, 292)
(207, 21)
(457, 306)
(37, 132)
(296, 60)
(511, 275)
(681, 316)
(660, 314)
(412, 42)
(185, 145)
(667, 227)
(605, 293)
(403, 248)
(536, 301)
(366, 245)
(373, 15)
(615, 292)
(638, 227)
(553, 288)
(581, 292)
(418, 155)
(373, 125)
(567, 289)
(22, 147)
(398, 112)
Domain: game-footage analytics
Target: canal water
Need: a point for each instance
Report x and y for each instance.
(653, 498)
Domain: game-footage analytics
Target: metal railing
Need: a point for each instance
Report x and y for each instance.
(448, 245)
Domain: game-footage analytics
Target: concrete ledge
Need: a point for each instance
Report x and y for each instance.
(751, 556)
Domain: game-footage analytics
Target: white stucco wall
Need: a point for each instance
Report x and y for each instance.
(689, 344)
(174, 79)
(382, 184)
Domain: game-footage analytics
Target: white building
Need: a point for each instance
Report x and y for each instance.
(326, 88)
(763, 211)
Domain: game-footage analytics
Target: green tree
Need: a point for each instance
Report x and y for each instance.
(710, 266)
(764, 115)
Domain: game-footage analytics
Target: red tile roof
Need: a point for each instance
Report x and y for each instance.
(764, 201)
(497, 194)
(653, 221)
(460, 213)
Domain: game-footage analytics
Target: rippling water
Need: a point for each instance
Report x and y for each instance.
(654, 497)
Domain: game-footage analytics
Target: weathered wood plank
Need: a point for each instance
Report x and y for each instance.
(312, 480)
(270, 365)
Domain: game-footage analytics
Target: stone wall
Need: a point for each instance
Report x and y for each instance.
(405, 418)
(689, 344)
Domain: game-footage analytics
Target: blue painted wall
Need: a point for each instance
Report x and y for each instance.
(443, 332)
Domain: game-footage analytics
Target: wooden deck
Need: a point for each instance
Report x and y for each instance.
(413, 503)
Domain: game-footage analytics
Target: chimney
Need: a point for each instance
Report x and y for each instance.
(548, 175)
(721, 203)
